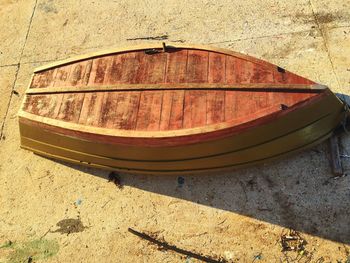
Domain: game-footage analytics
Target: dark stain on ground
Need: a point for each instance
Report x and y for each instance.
(48, 7)
(322, 17)
(70, 225)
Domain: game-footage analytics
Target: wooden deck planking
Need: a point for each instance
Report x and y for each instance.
(197, 66)
(195, 108)
(216, 99)
(149, 111)
(262, 74)
(230, 105)
(217, 68)
(244, 71)
(160, 110)
(94, 103)
(126, 111)
(44, 79)
(230, 69)
(176, 68)
(282, 76)
(109, 107)
(215, 106)
(91, 108)
(166, 110)
(80, 73)
(41, 105)
(177, 110)
(99, 69)
(154, 68)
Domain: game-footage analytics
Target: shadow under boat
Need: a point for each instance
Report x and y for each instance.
(297, 192)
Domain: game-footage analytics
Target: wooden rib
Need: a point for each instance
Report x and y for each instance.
(197, 66)
(172, 86)
(176, 67)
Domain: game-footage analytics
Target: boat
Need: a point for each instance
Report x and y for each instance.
(173, 109)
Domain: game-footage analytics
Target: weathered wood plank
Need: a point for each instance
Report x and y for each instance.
(177, 110)
(149, 111)
(215, 107)
(195, 109)
(71, 107)
(336, 164)
(230, 105)
(91, 109)
(166, 110)
(217, 68)
(44, 79)
(126, 112)
(176, 68)
(197, 66)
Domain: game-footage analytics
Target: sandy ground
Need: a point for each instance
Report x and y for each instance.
(55, 212)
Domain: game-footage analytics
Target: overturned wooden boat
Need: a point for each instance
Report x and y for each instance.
(173, 109)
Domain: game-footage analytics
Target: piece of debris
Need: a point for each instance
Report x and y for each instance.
(162, 37)
(336, 164)
(292, 241)
(257, 257)
(78, 202)
(115, 178)
(180, 181)
(164, 245)
(70, 225)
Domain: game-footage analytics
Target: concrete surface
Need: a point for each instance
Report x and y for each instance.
(239, 216)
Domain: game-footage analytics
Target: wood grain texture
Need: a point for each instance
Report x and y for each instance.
(176, 68)
(115, 91)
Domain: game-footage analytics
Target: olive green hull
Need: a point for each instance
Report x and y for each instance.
(293, 132)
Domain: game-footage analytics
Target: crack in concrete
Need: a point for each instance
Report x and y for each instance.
(260, 37)
(275, 35)
(17, 70)
(9, 65)
(9, 102)
(323, 34)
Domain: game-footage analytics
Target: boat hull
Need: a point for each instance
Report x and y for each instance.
(173, 109)
(296, 131)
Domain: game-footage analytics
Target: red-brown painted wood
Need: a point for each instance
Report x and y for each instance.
(159, 109)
